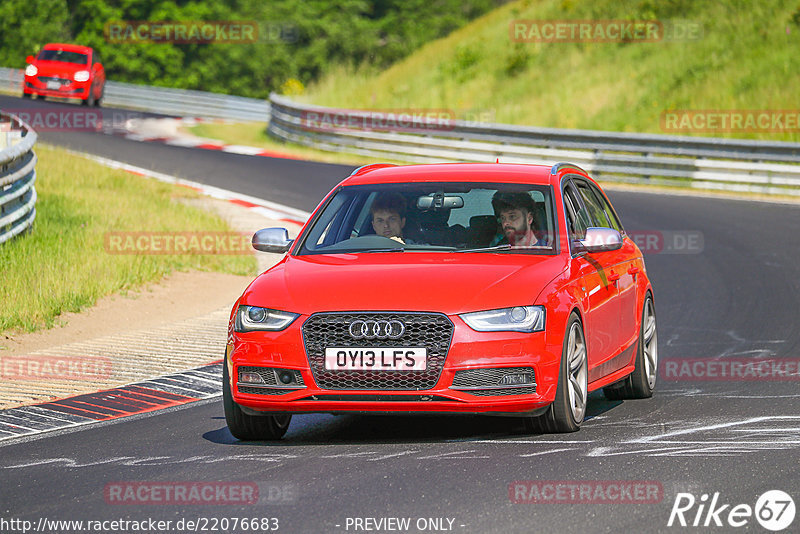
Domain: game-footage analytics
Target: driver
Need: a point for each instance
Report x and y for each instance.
(514, 212)
(389, 215)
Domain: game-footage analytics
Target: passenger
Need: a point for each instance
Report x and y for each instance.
(514, 212)
(389, 215)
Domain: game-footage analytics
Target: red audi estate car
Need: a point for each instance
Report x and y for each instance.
(65, 71)
(498, 289)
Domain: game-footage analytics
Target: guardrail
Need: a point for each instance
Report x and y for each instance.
(17, 176)
(708, 163)
(180, 102)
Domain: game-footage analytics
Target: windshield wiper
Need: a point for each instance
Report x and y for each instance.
(396, 249)
(486, 249)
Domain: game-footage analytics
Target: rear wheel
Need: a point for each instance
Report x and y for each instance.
(567, 411)
(642, 381)
(100, 98)
(250, 427)
(27, 95)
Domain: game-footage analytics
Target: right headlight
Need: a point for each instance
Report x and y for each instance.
(31, 70)
(516, 319)
(82, 76)
(253, 318)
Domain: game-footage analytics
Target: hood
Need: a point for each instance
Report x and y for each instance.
(54, 68)
(442, 282)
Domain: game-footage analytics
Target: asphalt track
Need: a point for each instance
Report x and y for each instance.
(735, 298)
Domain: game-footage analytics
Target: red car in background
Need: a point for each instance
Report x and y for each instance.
(496, 289)
(65, 71)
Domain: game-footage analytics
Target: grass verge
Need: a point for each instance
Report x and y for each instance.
(63, 266)
(744, 58)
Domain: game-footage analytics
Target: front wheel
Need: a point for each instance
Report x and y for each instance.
(567, 411)
(642, 381)
(249, 427)
(100, 98)
(27, 95)
(89, 99)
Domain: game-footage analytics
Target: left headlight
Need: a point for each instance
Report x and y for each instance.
(31, 70)
(516, 319)
(253, 318)
(82, 76)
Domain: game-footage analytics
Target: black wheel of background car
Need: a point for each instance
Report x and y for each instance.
(566, 412)
(89, 99)
(27, 95)
(642, 381)
(40, 97)
(249, 427)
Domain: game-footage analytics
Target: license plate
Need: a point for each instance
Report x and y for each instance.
(376, 358)
(54, 85)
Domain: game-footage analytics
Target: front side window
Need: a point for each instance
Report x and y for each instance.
(598, 207)
(578, 219)
(431, 217)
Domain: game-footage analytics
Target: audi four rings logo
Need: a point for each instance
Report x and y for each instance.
(377, 329)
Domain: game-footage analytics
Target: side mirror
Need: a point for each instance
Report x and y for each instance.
(599, 240)
(29, 59)
(274, 240)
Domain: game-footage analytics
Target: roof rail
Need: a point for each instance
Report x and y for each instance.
(562, 165)
(371, 166)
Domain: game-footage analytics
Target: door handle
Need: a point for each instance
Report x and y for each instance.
(633, 270)
(613, 277)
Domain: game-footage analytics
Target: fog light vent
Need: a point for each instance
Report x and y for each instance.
(496, 381)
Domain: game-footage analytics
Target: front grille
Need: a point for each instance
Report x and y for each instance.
(433, 331)
(486, 382)
(45, 79)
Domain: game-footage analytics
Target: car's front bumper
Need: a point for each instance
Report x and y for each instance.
(67, 88)
(469, 350)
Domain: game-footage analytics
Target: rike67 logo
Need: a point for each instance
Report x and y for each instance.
(774, 510)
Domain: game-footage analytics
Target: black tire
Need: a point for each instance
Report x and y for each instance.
(27, 95)
(89, 99)
(641, 383)
(249, 427)
(560, 415)
(39, 97)
(100, 98)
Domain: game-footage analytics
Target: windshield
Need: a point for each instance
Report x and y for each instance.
(63, 56)
(446, 217)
